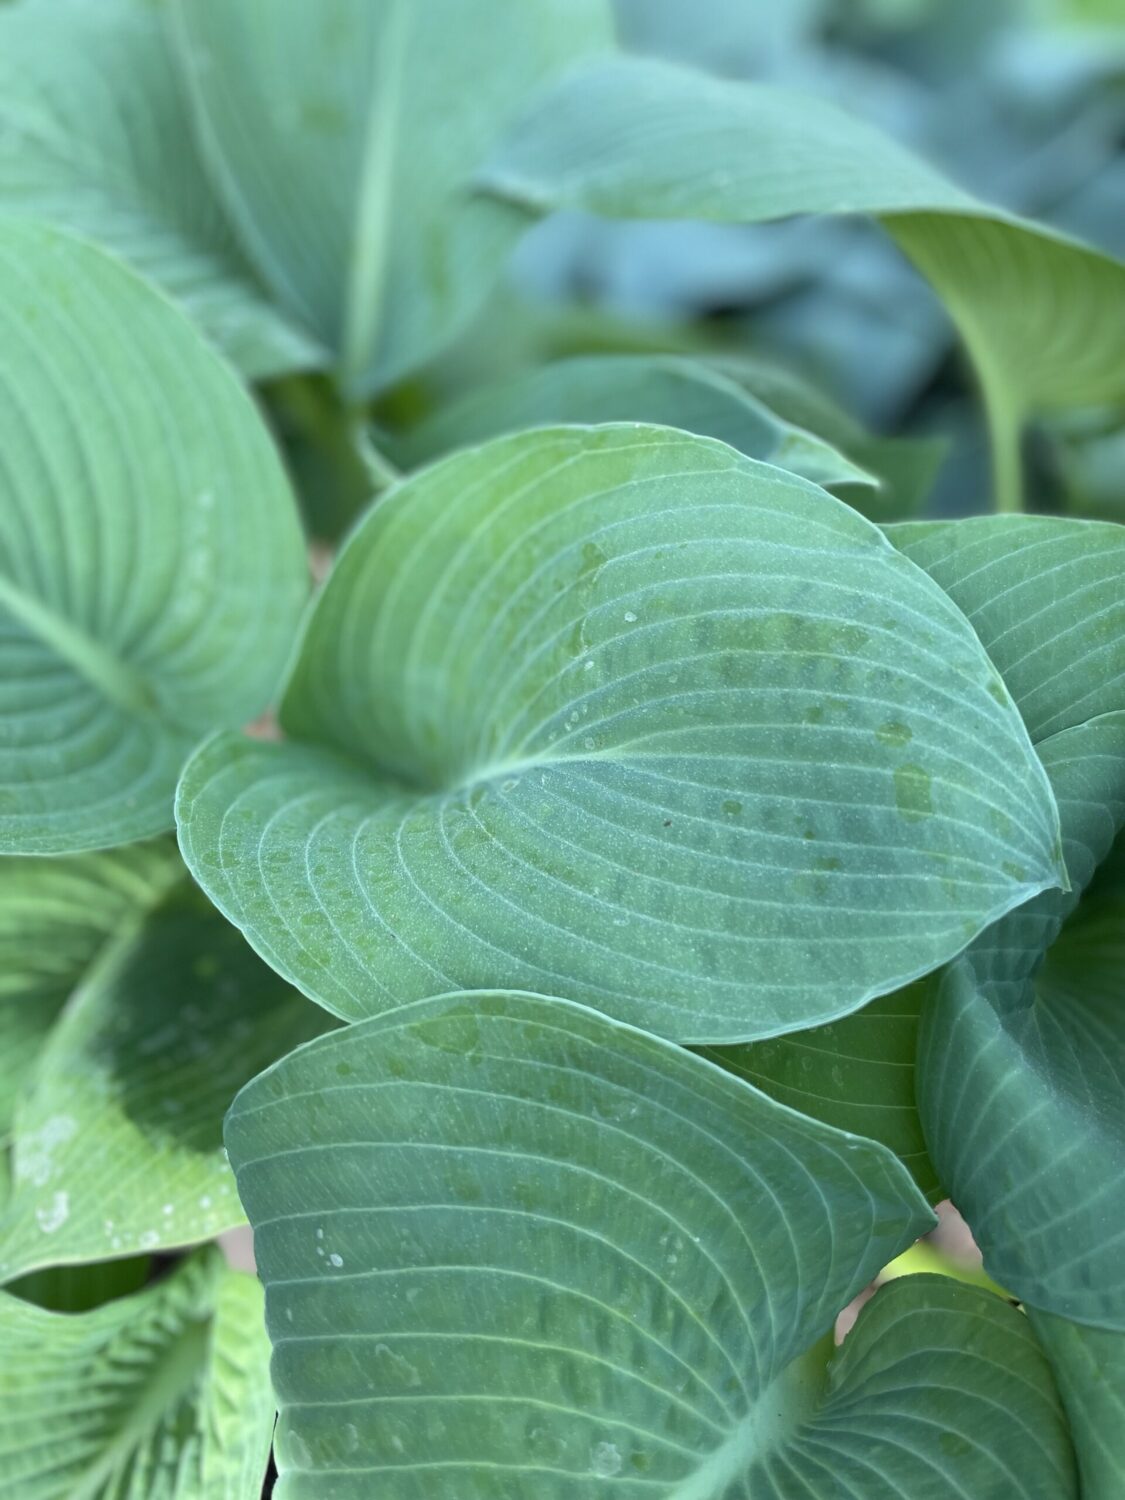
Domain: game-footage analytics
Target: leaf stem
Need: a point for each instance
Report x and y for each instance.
(380, 471)
(1004, 426)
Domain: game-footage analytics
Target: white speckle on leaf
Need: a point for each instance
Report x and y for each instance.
(33, 1159)
(167, 1209)
(149, 1239)
(605, 1460)
(54, 1216)
(630, 617)
(335, 1260)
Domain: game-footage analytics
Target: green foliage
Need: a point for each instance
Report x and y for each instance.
(344, 175)
(563, 665)
(626, 138)
(158, 1396)
(151, 569)
(98, 140)
(708, 879)
(657, 1254)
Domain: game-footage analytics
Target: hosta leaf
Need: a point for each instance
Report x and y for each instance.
(618, 712)
(1043, 316)
(1021, 1067)
(856, 1073)
(161, 1396)
(1047, 600)
(511, 1247)
(1046, 596)
(342, 136)
(98, 138)
(662, 389)
(1089, 1365)
(117, 1141)
(55, 915)
(905, 467)
(151, 565)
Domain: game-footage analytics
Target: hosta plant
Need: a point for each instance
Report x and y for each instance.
(586, 934)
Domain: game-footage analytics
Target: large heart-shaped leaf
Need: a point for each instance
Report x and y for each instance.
(55, 916)
(663, 389)
(151, 564)
(161, 1396)
(618, 712)
(342, 135)
(1043, 316)
(117, 1145)
(98, 138)
(1021, 1067)
(511, 1247)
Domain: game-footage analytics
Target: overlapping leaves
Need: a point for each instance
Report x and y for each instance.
(151, 565)
(342, 138)
(98, 138)
(116, 1123)
(509, 1245)
(159, 1396)
(617, 712)
(1042, 315)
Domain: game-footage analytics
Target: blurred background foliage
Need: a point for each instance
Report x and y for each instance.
(1021, 101)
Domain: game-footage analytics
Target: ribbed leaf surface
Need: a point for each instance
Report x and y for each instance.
(1021, 1068)
(151, 564)
(98, 139)
(161, 1396)
(117, 1144)
(511, 1248)
(55, 916)
(621, 713)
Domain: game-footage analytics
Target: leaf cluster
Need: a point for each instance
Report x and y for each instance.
(585, 932)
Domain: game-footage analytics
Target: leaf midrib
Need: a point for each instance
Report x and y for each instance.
(102, 669)
(171, 1380)
(779, 1411)
(369, 258)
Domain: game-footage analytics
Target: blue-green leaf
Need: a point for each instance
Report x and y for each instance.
(152, 569)
(619, 712)
(513, 1248)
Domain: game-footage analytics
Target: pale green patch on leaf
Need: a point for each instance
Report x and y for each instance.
(55, 916)
(98, 139)
(1021, 1065)
(666, 390)
(117, 1145)
(1089, 1365)
(621, 713)
(151, 566)
(164, 1395)
(1043, 316)
(342, 137)
(512, 1247)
